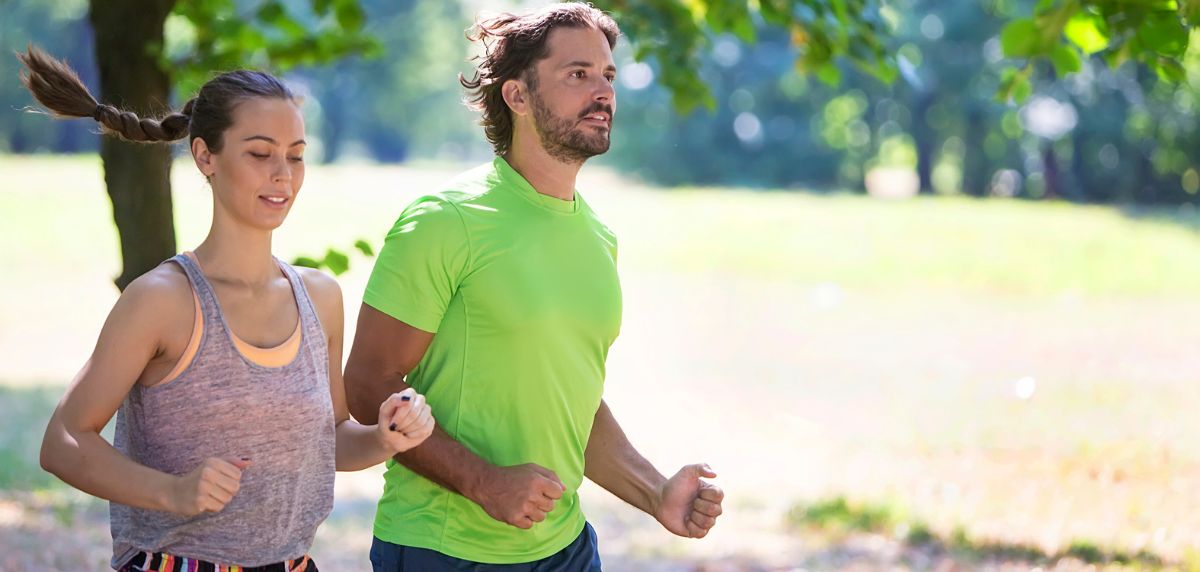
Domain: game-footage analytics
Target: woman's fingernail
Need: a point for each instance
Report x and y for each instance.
(392, 427)
(405, 398)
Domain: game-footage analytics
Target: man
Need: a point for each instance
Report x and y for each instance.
(498, 299)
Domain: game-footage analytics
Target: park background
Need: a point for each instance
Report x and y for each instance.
(916, 277)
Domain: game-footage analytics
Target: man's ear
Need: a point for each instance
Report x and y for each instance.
(516, 95)
(205, 161)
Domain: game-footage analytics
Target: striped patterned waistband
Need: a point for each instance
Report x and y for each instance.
(161, 562)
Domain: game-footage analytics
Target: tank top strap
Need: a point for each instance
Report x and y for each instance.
(310, 320)
(202, 289)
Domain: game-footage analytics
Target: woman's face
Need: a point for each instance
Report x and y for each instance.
(260, 168)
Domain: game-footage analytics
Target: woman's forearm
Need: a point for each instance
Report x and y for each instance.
(84, 460)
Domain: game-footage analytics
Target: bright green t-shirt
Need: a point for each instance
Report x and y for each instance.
(522, 294)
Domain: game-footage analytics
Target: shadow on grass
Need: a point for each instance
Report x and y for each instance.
(839, 517)
(1185, 216)
(24, 412)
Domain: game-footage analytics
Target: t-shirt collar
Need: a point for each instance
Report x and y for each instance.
(514, 179)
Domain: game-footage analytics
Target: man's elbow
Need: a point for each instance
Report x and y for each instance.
(358, 400)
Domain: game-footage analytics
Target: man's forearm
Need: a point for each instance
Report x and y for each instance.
(613, 463)
(445, 461)
(441, 458)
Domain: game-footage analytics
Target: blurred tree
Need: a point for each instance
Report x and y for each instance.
(137, 71)
(749, 62)
(1154, 33)
(673, 33)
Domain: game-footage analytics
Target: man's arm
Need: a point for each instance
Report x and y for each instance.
(684, 504)
(384, 351)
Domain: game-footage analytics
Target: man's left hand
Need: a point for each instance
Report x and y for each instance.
(688, 506)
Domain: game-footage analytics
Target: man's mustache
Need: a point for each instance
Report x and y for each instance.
(606, 108)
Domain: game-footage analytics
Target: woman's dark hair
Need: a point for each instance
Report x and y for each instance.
(57, 87)
(512, 45)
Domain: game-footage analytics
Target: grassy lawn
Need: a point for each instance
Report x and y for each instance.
(1009, 381)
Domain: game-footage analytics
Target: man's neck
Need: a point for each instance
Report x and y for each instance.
(547, 175)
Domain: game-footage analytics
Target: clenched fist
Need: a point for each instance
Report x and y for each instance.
(520, 495)
(207, 488)
(405, 421)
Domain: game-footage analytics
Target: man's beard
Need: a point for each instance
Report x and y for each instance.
(563, 139)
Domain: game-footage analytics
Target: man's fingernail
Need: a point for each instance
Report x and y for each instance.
(392, 426)
(405, 398)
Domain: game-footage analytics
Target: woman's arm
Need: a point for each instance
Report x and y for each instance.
(404, 421)
(72, 448)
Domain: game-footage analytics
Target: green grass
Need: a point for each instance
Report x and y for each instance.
(840, 517)
(23, 415)
(991, 246)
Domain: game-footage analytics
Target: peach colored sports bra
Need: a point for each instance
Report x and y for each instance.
(277, 356)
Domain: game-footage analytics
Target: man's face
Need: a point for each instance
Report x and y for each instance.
(573, 100)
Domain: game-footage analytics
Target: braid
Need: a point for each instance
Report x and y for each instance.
(57, 87)
(129, 126)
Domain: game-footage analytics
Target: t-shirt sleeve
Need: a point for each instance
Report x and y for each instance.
(421, 264)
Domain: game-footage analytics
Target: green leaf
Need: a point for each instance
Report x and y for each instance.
(321, 7)
(1066, 60)
(1087, 31)
(1022, 89)
(1014, 85)
(271, 11)
(364, 247)
(1020, 39)
(336, 262)
(1170, 70)
(1190, 10)
(1163, 32)
(305, 262)
(829, 74)
(350, 15)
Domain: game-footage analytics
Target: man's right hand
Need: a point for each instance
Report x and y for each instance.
(520, 495)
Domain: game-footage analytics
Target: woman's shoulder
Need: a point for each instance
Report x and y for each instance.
(165, 288)
(317, 282)
(324, 290)
(156, 302)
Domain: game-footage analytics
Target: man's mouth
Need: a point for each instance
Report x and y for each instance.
(598, 118)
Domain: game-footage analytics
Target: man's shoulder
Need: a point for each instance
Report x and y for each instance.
(472, 184)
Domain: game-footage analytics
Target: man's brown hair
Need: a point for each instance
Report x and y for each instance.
(512, 45)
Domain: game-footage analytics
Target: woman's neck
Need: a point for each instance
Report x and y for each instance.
(237, 254)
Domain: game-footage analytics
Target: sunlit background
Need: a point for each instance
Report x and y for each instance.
(911, 325)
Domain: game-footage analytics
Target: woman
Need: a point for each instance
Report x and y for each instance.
(223, 365)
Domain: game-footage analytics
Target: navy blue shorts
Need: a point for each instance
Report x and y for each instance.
(580, 556)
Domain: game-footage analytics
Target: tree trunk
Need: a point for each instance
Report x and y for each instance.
(923, 136)
(1050, 172)
(976, 164)
(129, 34)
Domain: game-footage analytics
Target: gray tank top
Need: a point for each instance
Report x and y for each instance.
(224, 405)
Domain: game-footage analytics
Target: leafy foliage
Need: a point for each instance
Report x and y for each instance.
(675, 32)
(1152, 32)
(212, 35)
(334, 260)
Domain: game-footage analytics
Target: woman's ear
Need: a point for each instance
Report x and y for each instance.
(205, 161)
